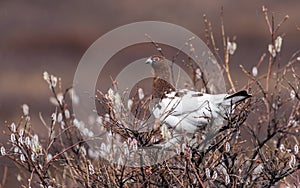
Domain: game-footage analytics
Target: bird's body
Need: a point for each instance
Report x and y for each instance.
(188, 111)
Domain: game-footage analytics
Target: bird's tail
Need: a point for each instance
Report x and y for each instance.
(236, 97)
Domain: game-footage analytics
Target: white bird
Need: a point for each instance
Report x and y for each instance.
(188, 111)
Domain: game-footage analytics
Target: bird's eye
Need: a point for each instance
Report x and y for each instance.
(155, 59)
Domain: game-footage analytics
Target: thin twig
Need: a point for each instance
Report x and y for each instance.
(5, 169)
(226, 53)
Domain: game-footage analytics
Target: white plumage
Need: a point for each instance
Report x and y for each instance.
(187, 111)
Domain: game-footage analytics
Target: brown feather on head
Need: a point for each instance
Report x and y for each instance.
(162, 81)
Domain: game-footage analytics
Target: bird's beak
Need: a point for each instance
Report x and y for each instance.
(149, 61)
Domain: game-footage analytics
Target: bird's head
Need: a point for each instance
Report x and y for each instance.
(159, 63)
(162, 81)
(155, 59)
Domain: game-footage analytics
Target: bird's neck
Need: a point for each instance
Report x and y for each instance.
(163, 72)
(162, 81)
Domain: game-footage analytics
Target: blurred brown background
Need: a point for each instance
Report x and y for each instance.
(38, 36)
